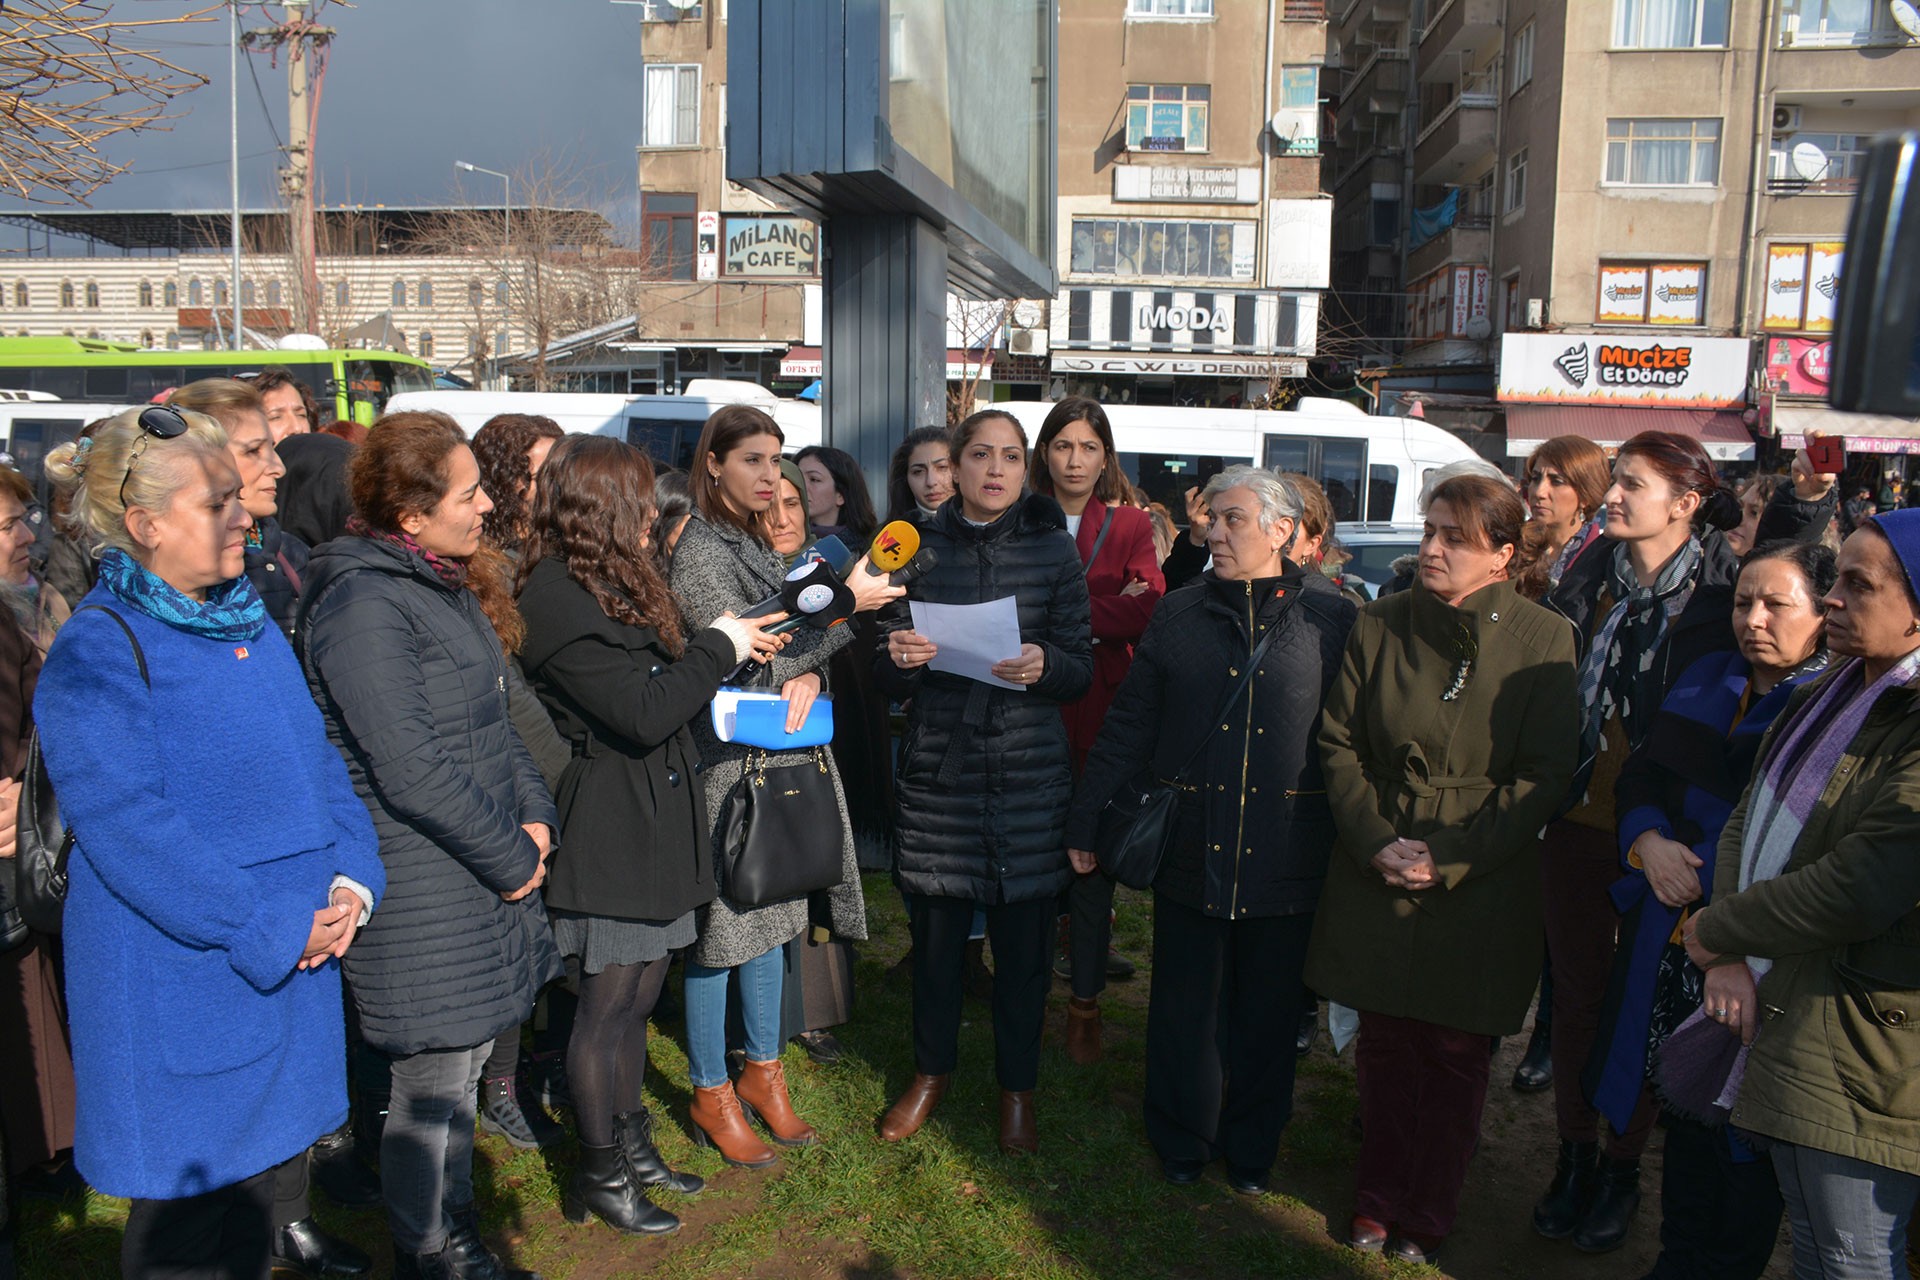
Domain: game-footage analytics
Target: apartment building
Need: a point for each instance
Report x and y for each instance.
(1566, 194)
(1194, 232)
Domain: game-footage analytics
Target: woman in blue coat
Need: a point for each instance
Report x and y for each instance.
(205, 912)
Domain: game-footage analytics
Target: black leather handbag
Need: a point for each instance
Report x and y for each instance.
(781, 834)
(1136, 826)
(45, 842)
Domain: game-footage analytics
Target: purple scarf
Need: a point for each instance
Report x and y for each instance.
(451, 572)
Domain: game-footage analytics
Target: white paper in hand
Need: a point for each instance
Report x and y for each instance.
(971, 637)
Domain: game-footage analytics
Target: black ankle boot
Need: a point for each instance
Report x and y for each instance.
(1606, 1223)
(1535, 1072)
(423, 1266)
(339, 1171)
(520, 1122)
(468, 1257)
(1558, 1214)
(303, 1247)
(649, 1168)
(604, 1188)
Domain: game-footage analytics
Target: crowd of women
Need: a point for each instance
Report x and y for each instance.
(445, 787)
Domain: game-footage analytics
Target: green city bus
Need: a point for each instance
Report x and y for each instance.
(348, 384)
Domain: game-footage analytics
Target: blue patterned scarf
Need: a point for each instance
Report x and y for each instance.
(231, 611)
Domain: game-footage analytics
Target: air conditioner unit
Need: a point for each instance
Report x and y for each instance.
(1027, 342)
(1536, 313)
(1786, 119)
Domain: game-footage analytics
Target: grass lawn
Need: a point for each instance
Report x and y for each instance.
(944, 1204)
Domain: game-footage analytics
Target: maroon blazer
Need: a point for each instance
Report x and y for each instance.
(1118, 620)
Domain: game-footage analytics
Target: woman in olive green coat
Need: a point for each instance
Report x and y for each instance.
(1825, 851)
(1450, 736)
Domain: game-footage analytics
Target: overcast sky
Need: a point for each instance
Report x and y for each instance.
(412, 86)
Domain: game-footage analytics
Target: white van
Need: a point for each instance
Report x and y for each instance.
(30, 428)
(667, 427)
(1371, 468)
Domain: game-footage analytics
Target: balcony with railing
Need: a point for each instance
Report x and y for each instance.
(1461, 29)
(1456, 229)
(1460, 133)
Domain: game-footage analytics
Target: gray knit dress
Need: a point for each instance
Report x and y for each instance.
(717, 567)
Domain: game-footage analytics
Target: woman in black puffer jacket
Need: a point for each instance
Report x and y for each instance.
(985, 778)
(398, 638)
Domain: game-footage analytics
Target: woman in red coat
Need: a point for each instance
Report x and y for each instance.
(1075, 463)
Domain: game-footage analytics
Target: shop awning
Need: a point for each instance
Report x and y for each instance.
(1864, 432)
(808, 362)
(1721, 431)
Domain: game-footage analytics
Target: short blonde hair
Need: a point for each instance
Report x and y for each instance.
(91, 472)
(222, 399)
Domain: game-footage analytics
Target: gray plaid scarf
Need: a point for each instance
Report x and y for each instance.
(1618, 674)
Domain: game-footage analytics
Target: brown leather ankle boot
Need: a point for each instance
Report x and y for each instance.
(1083, 1031)
(718, 1123)
(1017, 1135)
(911, 1109)
(763, 1087)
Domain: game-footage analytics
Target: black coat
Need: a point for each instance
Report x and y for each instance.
(985, 776)
(314, 502)
(278, 568)
(631, 802)
(1255, 832)
(413, 685)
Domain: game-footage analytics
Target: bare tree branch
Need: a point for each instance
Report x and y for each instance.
(67, 85)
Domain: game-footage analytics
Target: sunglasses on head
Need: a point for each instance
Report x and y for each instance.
(156, 421)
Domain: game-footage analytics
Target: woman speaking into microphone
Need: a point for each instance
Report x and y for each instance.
(985, 777)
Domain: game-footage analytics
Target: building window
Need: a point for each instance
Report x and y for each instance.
(1167, 117)
(1516, 182)
(66, 295)
(425, 292)
(1520, 61)
(1672, 293)
(1670, 24)
(146, 337)
(500, 342)
(1839, 23)
(146, 295)
(21, 296)
(169, 294)
(1663, 153)
(249, 297)
(399, 293)
(670, 106)
(1386, 219)
(93, 296)
(666, 234)
(426, 344)
(474, 294)
(173, 339)
(341, 293)
(1169, 8)
(274, 293)
(1803, 282)
(1816, 162)
(1516, 316)
(500, 294)
(196, 294)
(1179, 250)
(1299, 114)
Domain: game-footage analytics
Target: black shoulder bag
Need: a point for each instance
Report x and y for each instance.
(1135, 827)
(46, 843)
(780, 831)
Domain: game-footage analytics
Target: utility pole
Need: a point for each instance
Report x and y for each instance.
(307, 44)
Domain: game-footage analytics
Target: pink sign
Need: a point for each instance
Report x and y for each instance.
(1799, 366)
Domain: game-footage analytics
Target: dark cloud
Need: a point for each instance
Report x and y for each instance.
(412, 86)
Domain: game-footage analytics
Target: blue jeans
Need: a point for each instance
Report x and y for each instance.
(1849, 1218)
(760, 982)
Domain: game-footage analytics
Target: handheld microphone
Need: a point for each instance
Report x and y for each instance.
(922, 563)
(892, 548)
(813, 595)
(831, 550)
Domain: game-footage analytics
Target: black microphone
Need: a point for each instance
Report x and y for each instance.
(922, 564)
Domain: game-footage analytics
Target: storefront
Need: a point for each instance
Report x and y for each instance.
(1797, 373)
(1610, 387)
(1209, 347)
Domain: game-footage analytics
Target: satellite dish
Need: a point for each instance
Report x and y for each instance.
(1809, 161)
(1906, 17)
(1479, 328)
(1281, 125)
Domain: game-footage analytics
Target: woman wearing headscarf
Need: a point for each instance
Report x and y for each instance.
(1809, 947)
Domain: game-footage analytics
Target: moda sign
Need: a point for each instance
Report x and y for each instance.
(1609, 369)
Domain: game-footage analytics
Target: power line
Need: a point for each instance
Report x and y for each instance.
(265, 110)
(204, 164)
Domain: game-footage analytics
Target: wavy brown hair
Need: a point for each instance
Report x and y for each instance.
(724, 432)
(592, 513)
(402, 471)
(500, 446)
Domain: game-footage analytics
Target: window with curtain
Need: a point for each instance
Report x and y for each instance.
(1168, 117)
(670, 111)
(1663, 153)
(1841, 22)
(1670, 24)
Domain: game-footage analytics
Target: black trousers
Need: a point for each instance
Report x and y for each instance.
(1719, 1218)
(223, 1234)
(1090, 909)
(1021, 934)
(1221, 1019)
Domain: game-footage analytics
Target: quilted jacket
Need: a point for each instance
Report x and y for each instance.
(1254, 831)
(413, 686)
(984, 777)
(278, 567)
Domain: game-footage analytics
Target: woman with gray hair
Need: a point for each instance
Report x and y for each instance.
(1234, 898)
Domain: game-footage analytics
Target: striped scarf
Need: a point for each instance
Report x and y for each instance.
(1617, 674)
